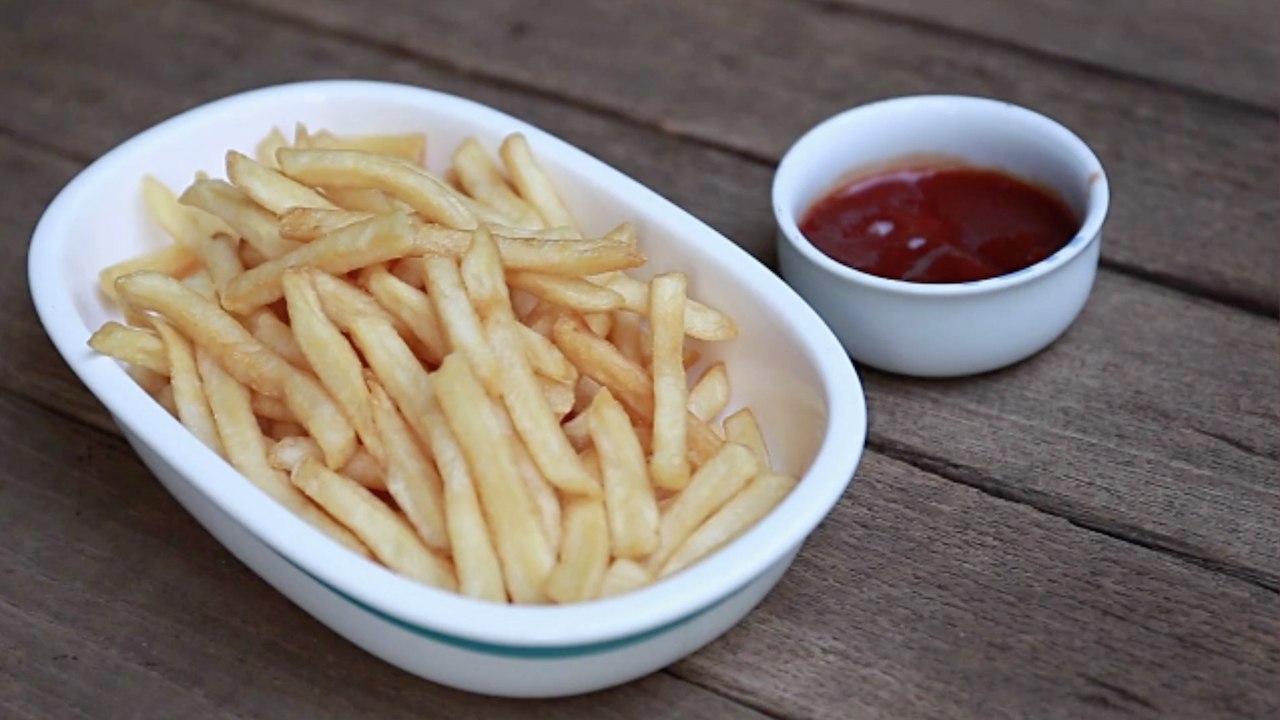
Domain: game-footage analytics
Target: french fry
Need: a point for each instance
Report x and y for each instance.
(277, 335)
(745, 509)
(457, 315)
(413, 308)
(567, 292)
(585, 555)
(379, 239)
(481, 178)
(700, 322)
(172, 260)
(543, 493)
(599, 322)
(351, 168)
(220, 256)
(187, 226)
(534, 233)
(188, 393)
(742, 428)
(533, 419)
(265, 150)
(322, 417)
(269, 188)
(532, 182)
(405, 146)
(559, 396)
(202, 283)
(290, 449)
(390, 539)
(343, 302)
(624, 576)
(242, 355)
(255, 225)
(305, 224)
(710, 394)
(545, 358)
(364, 199)
(527, 558)
(630, 384)
(411, 478)
(719, 479)
(331, 357)
(670, 462)
(135, 346)
(617, 250)
(476, 560)
(246, 450)
(483, 277)
(628, 496)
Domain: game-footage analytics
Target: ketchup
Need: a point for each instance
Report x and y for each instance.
(939, 225)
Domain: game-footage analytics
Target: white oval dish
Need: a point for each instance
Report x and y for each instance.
(943, 329)
(787, 365)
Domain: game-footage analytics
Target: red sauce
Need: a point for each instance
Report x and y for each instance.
(939, 225)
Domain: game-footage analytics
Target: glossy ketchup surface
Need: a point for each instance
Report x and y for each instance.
(939, 225)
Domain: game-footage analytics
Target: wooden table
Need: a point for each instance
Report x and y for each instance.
(1090, 534)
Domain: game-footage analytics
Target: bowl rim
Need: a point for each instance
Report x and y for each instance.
(519, 631)
(789, 170)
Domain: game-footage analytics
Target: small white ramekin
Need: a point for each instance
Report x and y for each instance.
(945, 329)
(787, 365)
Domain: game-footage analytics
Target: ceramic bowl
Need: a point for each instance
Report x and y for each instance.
(787, 365)
(945, 329)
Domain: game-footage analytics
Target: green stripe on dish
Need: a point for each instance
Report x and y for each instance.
(516, 651)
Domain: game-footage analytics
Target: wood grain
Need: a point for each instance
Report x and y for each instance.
(766, 71)
(115, 603)
(918, 598)
(1220, 48)
(1066, 460)
(1154, 418)
(28, 361)
(924, 599)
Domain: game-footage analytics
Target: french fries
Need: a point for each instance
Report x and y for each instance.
(670, 462)
(449, 379)
(348, 168)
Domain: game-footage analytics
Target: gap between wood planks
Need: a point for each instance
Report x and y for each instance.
(1079, 517)
(1233, 300)
(889, 17)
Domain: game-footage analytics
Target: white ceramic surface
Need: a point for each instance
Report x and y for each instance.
(787, 364)
(950, 329)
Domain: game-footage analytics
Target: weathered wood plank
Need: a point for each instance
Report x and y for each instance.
(731, 193)
(116, 604)
(1155, 417)
(753, 75)
(920, 598)
(28, 360)
(1222, 48)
